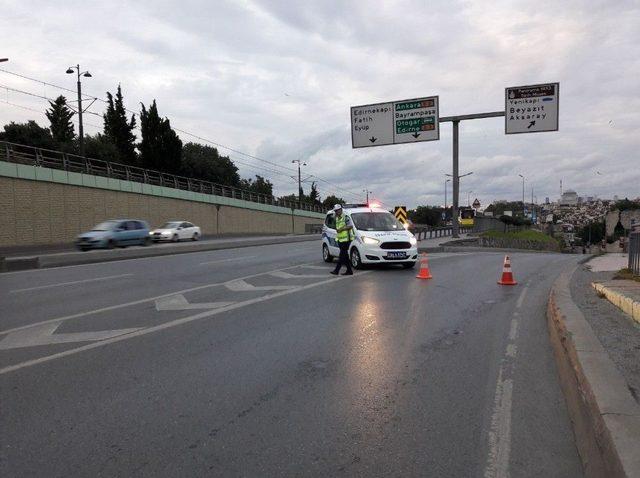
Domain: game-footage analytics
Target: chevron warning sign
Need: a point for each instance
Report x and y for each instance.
(401, 213)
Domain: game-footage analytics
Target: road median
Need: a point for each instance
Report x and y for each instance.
(41, 261)
(604, 414)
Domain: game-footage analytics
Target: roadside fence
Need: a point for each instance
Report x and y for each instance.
(31, 156)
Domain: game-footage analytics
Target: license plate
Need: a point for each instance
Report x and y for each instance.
(397, 255)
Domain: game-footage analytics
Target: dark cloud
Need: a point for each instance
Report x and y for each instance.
(276, 79)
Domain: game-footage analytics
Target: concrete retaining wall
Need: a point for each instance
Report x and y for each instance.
(54, 210)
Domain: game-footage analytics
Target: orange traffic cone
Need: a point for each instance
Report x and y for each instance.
(507, 275)
(424, 268)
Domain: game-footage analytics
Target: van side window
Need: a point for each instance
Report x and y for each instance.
(330, 221)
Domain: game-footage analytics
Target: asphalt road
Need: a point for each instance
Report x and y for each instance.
(257, 362)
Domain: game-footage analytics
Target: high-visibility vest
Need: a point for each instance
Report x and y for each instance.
(343, 236)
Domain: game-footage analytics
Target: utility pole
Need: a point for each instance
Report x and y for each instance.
(445, 196)
(367, 192)
(86, 74)
(456, 184)
(300, 163)
(523, 206)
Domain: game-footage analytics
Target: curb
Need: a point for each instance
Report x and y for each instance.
(604, 415)
(626, 304)
(92, 257)
(445, 248)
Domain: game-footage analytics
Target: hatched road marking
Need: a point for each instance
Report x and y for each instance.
(167, 325)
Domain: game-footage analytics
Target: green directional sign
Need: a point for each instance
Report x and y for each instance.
(417, 125)
(395, 122)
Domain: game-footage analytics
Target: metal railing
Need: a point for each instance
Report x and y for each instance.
(634, 250)
(32, 156)
(429, 232)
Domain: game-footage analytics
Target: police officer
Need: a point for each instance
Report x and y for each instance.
(344, 236)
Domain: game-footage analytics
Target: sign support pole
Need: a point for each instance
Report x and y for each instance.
(456, 173)
(456, 180)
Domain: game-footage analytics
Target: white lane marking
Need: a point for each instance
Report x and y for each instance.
(167, 325)
(287, 275)
(513, 331)
(511, 350)
(500, 433)
(522, 296)
(321, 268)
(240, 285)
(179, 302)
(137, 302)
(44, 335)
(60, 284)
(231, 259)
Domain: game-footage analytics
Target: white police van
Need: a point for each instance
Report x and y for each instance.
(379, 238)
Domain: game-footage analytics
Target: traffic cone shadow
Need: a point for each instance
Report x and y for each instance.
(507, 275)
(424, 273)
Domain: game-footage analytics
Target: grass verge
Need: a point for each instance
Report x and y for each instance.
(527, 235)
(626, 274)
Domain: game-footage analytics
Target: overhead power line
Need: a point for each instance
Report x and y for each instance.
(201, 138)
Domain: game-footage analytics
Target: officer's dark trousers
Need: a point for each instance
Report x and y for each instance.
(344, 256)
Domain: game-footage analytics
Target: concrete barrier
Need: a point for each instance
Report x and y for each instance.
(137, 252)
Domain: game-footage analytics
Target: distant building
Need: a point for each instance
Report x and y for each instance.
(546, 200)
(615, 198)
(569, 198)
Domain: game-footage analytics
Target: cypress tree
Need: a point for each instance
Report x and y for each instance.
(160, 148)
(60, 116)
(119, 130)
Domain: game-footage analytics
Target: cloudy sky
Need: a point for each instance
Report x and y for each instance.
(275, 80)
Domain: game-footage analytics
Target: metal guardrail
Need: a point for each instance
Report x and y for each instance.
(634, 250)
(32, 156)
(428, 232)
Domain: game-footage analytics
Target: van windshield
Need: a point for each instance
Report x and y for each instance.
(376, 221)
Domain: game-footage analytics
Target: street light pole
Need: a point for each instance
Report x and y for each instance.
(522, 193)
(456, 183)
(300, 163)
(367, 192)
(86, 74)
(445, 195)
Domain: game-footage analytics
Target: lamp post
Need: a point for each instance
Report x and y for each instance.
(300, 163)
(445, 195)
(86, 74)
(522, 193)
(367, 192)
(456, 183)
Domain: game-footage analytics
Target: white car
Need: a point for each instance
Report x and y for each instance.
(379, 238)
(175, 231)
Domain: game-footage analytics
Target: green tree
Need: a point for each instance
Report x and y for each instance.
(314, 196)
(119, 130)
(100, 147)
(594, 232)
(60, 116)
(160, 148)
(430, 215)
(204, 162)
(331, 201)
(29, 133)
(258, 185)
